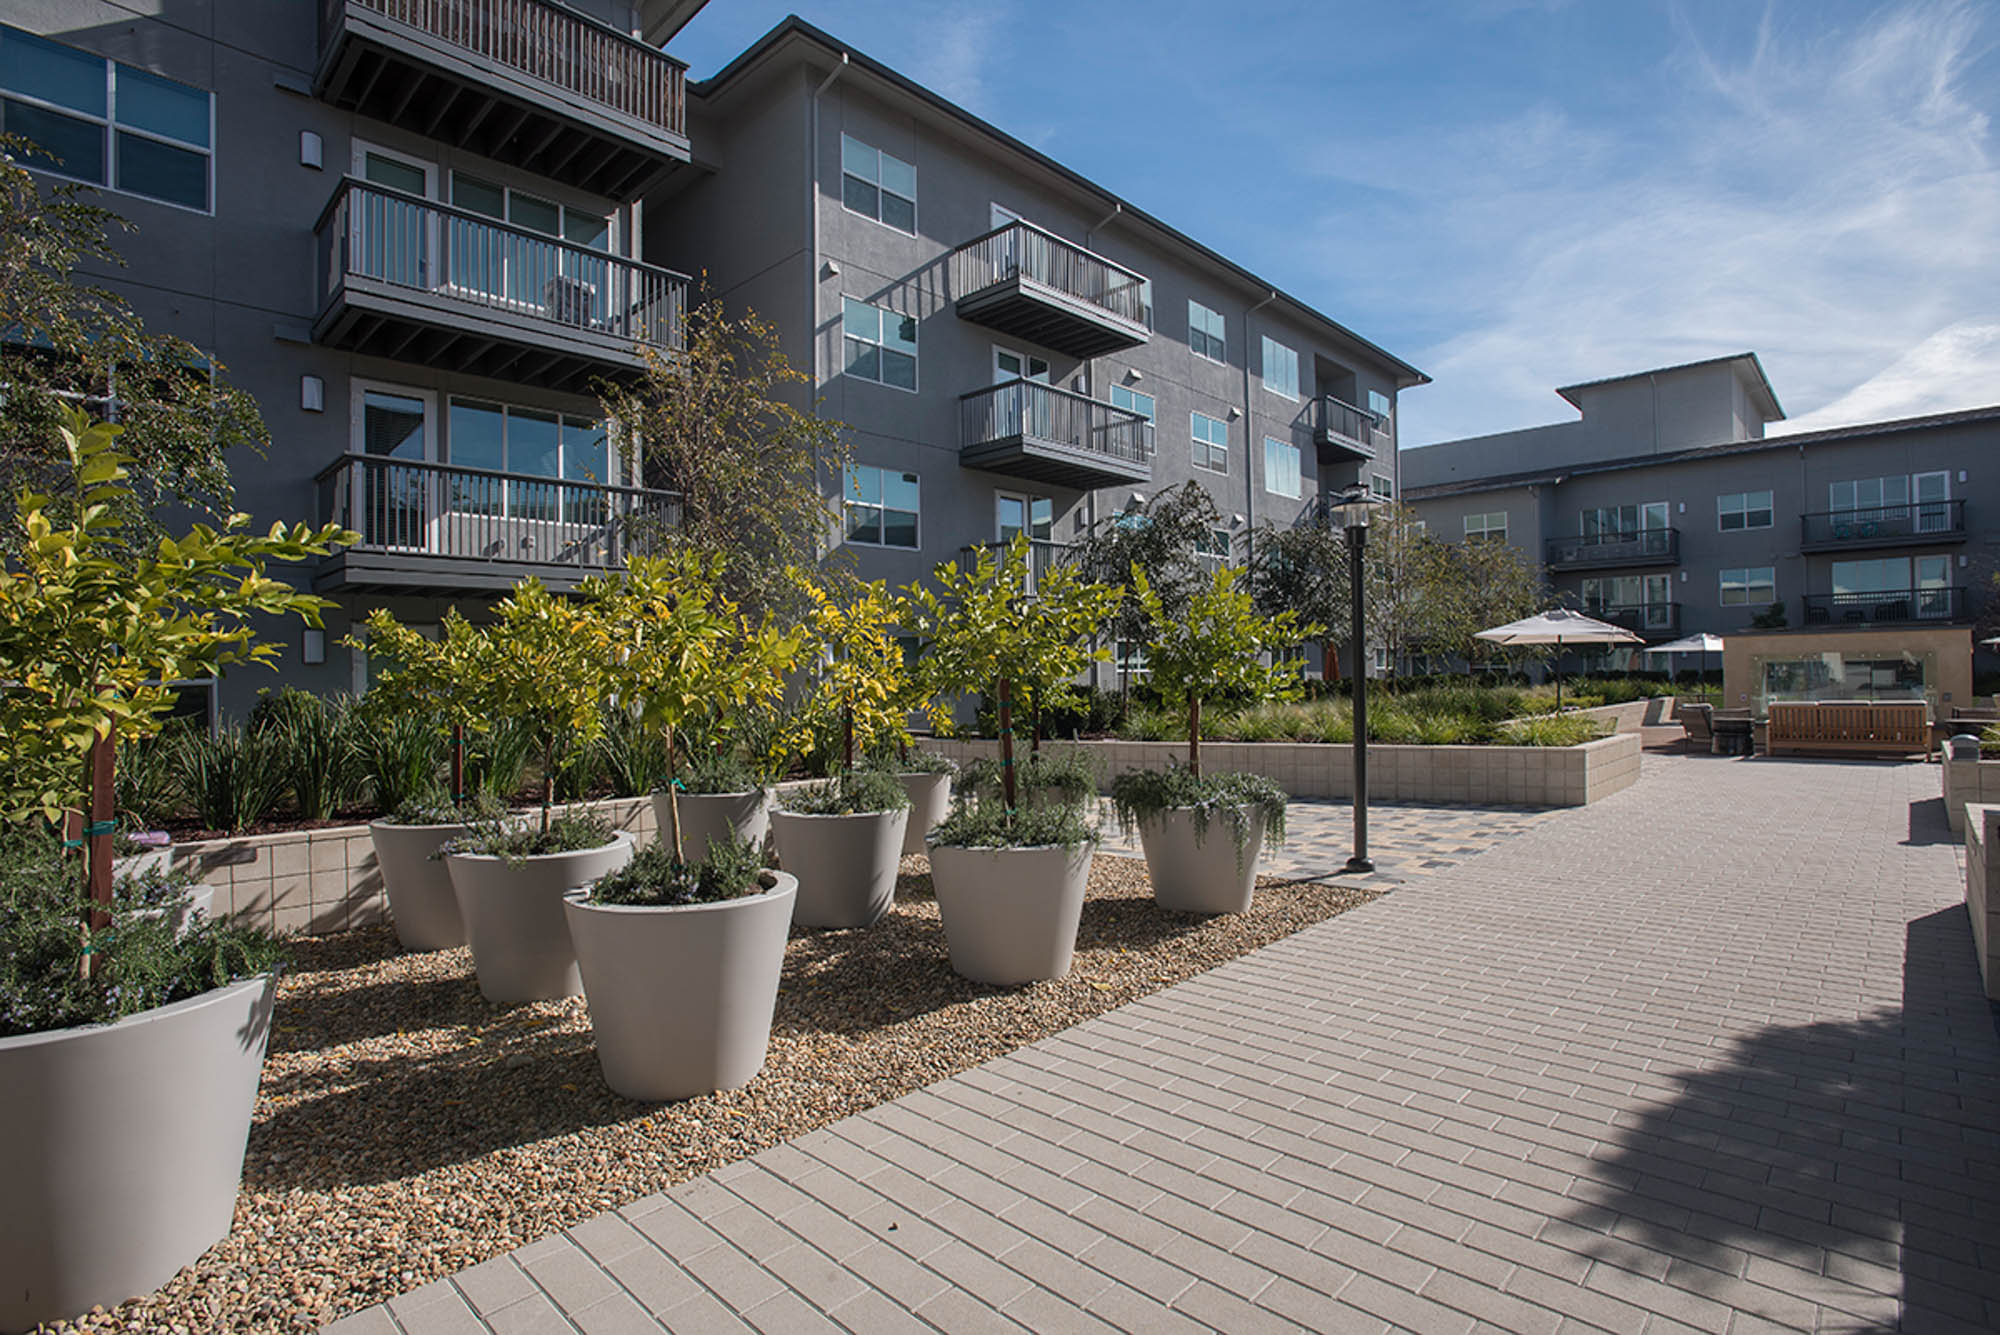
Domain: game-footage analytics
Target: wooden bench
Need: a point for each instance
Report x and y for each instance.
(1849, 727)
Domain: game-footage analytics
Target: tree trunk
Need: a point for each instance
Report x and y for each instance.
(673, 798)
(457, 763)
(1194, 735)
(1329, 661)
(847, 737)
(548, 781)
(90, 831)
(1004, 692)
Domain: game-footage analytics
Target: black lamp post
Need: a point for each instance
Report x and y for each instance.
(1350, 511)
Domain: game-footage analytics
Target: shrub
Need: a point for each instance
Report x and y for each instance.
(853, 793)
(988, 825)
(1065, 773)
(511, 840)
(148, 793)
(399, 759)
(496, 760)
(1139, 795)
(1550, 730)
(438, 810)
(719, 774)
(314, 743)
(231, 780)
(655, 878)
(631, 755)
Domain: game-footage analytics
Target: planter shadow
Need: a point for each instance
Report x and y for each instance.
(1928, 824)
(355, 1014)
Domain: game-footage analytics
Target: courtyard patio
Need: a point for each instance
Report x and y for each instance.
(1709, 1054)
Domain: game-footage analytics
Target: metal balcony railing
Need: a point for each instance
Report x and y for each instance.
(1642, 618)
(572, 53)
(1022, 250)
(1357, 429)
(1889, 606)
(475, 514)
(1030, 410)
(1043, 556)
(1649, 546)
(466, 259)
(1885, 525)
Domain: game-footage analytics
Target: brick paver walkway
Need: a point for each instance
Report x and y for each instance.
(1709, 1055)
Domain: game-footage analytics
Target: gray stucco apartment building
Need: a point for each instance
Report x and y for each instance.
(419, 230)
(1666, 508)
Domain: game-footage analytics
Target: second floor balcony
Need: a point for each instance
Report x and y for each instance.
(441, 529)
(1940, 604)
(1031, 430)
(1043, 556)
(1044, 290)
(1916, 524)
(1612, 550)
(1654, 621)
(530, 83)
(414, 280)
(1347, 434)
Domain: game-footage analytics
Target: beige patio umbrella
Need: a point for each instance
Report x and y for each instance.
(1700, 642)
(1559, 626)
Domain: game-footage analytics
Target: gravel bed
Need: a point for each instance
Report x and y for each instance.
(407, 1129)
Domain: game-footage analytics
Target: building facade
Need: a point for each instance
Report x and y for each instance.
(1666, 508)
(418, 233)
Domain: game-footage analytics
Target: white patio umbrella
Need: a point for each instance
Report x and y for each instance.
(1699, 643)
(1559, 626)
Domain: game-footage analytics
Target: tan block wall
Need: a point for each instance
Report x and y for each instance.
(1982, 897)
(1968, 781)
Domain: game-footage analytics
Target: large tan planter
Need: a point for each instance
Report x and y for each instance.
(743, 817)
(846, 865)
(421, 902)
(681, 998)
(1011, 914)
(121, 1149)
(930, 803)
(514, 918)
(1208, 873)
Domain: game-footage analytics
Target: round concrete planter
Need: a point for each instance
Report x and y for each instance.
(846, 865)
(743, 817)
(930, 803)
(1010, 914)
(681, 998)
(421, 902)
(514, 920)
(1205, 874)
(121, 1147)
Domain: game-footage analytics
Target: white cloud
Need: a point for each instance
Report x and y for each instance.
(1827, 198)
(1957, 367)
(951, 52)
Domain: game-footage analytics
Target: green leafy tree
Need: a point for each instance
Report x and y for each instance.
(1165, 539)
(1303, 569)
(1479, 585)
(717, 421)
(418, 677)
(1410, 591)
(69, 341)
(1218, 646)
(679, 650)
(861, 683)
(982, 630)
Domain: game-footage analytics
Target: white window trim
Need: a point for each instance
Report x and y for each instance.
(916, 357)
(840, 156)
(1193, 306)
(359, 390)
(1194, 440)
(1746, 526)
(111, 127)
(884, 507)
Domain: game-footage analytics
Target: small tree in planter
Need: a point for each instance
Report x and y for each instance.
(1214, 648)
(843, 838)
(680, 651)
(147, 1032)
(1010, 884)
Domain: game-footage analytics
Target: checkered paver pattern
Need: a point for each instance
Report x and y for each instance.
(1710, 1055)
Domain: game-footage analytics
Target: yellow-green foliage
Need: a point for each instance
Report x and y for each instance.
(860, 682)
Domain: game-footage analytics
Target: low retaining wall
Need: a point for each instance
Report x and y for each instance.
(1542, 776)
(1982, 896)
(1968, 781)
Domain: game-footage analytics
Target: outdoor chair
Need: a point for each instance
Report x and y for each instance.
(1697, 725)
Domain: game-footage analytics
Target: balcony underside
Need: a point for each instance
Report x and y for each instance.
(1038, 314)
(1054, 462)
(391, 73)
(1335, 448)
(1623, 559)
(1859, 541)
(384, 320)
(390, 570)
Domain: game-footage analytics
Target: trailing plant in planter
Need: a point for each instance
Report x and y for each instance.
(1246, 803)
(1059, 776)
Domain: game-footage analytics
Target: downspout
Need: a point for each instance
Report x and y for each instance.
(1250, 436)
(812, 221)
(1090, 380)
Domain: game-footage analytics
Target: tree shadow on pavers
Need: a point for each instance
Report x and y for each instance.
(1855, 1166)
(1928, 824)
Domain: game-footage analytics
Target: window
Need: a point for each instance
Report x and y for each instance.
(1281, 369)
(1382, 486)
(1215, 546)
(1639, 602)
(1211, 442)
(1131, 657)
(1743, 509)
(881, 507)
(551, 277)
(1132, 401)
(543, 450)
(1869, 493)
(1613, 522)
(1205, 334)
(1380, 404)
(1489, 527)
(1281, 468)
(1750, 586)
(109, 124)
(881, 344)
(877, 186)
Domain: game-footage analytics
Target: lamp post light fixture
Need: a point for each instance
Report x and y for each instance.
(1349, 511)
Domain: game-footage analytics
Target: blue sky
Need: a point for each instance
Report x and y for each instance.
(1520, 194)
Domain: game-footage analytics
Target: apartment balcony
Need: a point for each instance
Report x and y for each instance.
(1653, 621)
(430, 528)
(1030, 430)
(1918, 524)
(1039, 288)
(1043, 556)
(414, 280)
(1607, 551)
(1890, 607)
(1345, 433)
(529, 83)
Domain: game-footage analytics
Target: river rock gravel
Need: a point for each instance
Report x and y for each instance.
(407, 1129)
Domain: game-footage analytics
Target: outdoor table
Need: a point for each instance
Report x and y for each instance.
(1732, 737)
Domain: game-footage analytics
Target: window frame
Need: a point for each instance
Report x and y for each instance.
(1270, 345)
(1486, 532)
(1194, 439)
(1295, 470)
(916, 362)
(1382, 485)
(1744, 584)
(1744, 510)
(1221, 340)
(877, 186)
(110, 127)
(881, 507)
